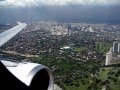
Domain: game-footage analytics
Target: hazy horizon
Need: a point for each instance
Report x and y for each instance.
(65, 11)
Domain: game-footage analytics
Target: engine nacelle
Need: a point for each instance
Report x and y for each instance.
(36, 76)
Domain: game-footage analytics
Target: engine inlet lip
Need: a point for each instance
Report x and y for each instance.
(34, 72)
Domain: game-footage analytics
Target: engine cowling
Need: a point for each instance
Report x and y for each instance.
(36, 76)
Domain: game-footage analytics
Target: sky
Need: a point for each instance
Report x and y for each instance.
(24, 3)
(96, 11)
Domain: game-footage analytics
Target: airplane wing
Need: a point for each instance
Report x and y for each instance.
(6, 76)
(10, 33)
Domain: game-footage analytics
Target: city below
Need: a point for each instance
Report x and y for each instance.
(81, 56)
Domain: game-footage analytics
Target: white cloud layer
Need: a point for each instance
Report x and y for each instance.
(24, 3)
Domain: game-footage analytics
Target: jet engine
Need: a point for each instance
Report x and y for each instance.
(33, 75)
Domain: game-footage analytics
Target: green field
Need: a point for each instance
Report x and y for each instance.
(80, 49)
(103, 75)
(103, 47)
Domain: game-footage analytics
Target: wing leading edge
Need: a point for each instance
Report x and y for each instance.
(10, 33)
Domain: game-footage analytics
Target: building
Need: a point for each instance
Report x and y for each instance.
(113, 56)
(108, 58)
(116, 47)
(66, 47)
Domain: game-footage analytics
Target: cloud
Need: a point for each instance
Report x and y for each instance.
(24, 3)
